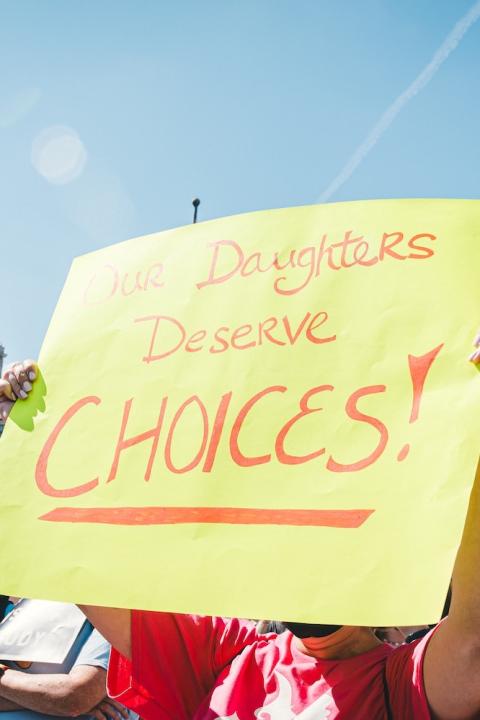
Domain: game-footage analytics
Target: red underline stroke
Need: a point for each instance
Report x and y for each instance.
(214, 515)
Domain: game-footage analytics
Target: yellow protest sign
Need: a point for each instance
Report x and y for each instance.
(269, 415)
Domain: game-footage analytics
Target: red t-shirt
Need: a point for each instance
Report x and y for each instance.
(187, 667)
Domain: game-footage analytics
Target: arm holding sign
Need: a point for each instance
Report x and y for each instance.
(452, 659)
(114, 624)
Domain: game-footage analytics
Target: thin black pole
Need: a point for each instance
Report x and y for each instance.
(195, 203)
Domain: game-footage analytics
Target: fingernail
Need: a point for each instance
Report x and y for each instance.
(27, 386)
(32, 375)
(23, 394)
(477, 339)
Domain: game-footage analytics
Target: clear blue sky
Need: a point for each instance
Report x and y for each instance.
(249, 104)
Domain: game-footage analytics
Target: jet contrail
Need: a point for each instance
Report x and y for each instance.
(445, 49)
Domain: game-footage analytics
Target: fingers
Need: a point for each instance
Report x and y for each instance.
(31, 369)
(121, 708)
(475, 356)
(97, 714)
(20, 376)
(110, 710)
(15, 378)
(7, 400)
(6, 391)
(114, 709)
(16, 384)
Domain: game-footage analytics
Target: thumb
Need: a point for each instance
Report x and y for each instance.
(6, 390)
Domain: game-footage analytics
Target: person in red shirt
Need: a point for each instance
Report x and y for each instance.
(184, 667)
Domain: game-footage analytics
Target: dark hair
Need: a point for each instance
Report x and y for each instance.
(304, 630)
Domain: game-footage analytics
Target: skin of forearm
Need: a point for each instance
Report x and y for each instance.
(465, 607)
(113, 623)
(49, 694)
(6, 705)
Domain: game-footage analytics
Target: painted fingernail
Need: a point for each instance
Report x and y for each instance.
(27, 386)
(477, 339)
(32, 375)
(23, 394)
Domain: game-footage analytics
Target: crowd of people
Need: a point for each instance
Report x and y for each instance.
(167, 666)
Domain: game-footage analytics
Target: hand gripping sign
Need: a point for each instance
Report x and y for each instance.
(267, 415)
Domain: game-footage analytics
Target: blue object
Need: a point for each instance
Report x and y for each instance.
(89, 648)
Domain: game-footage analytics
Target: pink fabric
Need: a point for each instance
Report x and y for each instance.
(198, 668)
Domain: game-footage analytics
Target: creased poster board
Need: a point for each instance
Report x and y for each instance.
(268, 415)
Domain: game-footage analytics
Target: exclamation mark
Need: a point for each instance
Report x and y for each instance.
(419, 368)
